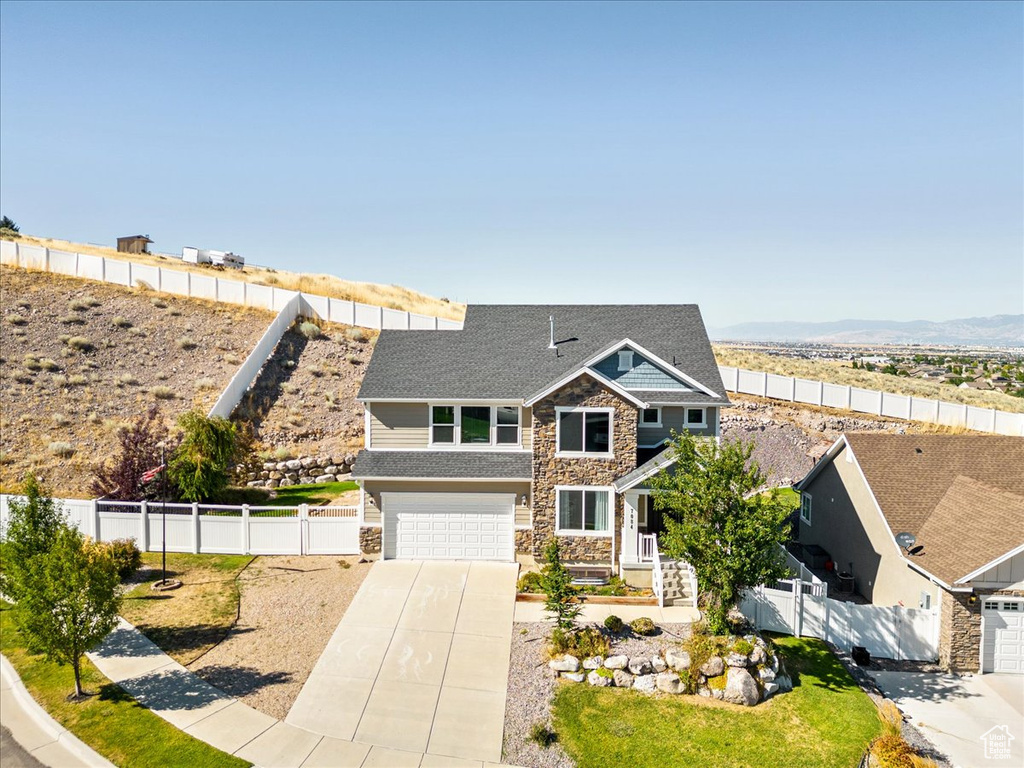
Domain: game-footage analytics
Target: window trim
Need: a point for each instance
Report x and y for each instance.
(650, 424)
(559, 531)
(703, 418)
(559, 453)
(492, 444)
(804, 495)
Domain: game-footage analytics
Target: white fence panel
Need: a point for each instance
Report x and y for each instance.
(751, 382)
(835, 396)
(779, 387)
(316, 306)
(145, 273)
(118, 272)
(275, 536)
(448, 325)
(924, 409)
(422, 322)
(982, 419)
(1009, 423)
(221, 534)
(91, 267)
(180, 528)
(368, 316)
(815, 616)
(917, 633)
(35, 257)
(8, 252)
(394, 319)
(807, 391)
(951, 414)
(283, 298)
(173, 281)
(259, 296)
(342, 311)
(332, 535)
(865, 400)
(118, 525)
(203, 287)
(896, 406)
(231, 291)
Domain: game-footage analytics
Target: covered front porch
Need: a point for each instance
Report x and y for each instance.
(641, 564)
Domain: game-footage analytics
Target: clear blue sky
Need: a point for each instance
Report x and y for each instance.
(809, 161)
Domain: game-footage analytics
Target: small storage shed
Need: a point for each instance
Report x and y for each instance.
(133, 244)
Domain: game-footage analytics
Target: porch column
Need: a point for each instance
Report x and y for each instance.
(629, 527)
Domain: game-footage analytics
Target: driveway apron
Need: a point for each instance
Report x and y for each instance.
(419, 661)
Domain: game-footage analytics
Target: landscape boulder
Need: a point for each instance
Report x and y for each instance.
(658, 664)
(622, 678)
(644, 683)
(567, 663)
(593, 662)
(292, 464)
(594, 678)
(668, 682)
(758, 656)
(640, 666)
(740, 688)
(574, 677)
(324, 479)
(677, 659)
(616, 662)
(713, 667)
(734, 659)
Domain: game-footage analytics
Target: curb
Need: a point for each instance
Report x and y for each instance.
(47, 724)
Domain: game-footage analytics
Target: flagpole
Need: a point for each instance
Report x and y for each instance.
(163, 516)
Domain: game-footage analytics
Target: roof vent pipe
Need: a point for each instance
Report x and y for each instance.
(551, 320)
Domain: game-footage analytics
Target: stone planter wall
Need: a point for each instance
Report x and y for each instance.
(550, 470)
(369, 539)
(301, 471)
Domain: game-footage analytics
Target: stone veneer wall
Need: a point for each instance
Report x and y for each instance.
(549, 470)
(960, 628)
(369, 539)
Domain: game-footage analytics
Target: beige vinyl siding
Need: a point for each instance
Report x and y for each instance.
(375, 487)
(527, 423)
(673, 417)
(399, 425)
(845, 522)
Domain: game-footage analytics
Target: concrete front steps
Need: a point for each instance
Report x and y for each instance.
(676, 583)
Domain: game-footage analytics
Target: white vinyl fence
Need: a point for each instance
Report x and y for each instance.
(888, 632)
(871, 401)
(214, 288)
(215, 529)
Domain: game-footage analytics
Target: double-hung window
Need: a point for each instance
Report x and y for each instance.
(474, 425)
(805, 507)
(585, 511)
(584, 431)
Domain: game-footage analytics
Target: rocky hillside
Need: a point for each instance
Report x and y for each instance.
(78, 358)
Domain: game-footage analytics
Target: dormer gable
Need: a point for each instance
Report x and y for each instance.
(631, 370)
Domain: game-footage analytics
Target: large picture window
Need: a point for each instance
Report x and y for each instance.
(586, 431)
(474, 425)
(584, 511)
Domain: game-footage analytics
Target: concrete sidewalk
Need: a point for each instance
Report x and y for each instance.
(159, 683)
(41, 737)
(419, 662)
(955, 712)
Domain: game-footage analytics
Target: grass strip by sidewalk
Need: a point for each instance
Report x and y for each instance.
(826, 721)
(111, 722)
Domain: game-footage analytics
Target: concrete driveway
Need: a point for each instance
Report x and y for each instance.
(419, 661)
(955, 712)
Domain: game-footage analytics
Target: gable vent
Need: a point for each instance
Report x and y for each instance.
(625, 359)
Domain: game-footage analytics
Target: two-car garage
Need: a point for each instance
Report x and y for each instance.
(448, 526)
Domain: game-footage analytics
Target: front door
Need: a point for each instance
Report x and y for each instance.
(649, 519)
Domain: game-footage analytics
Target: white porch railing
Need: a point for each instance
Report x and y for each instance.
(657, 577)
(647, 549)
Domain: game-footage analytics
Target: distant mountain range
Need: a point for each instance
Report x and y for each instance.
(996, 331)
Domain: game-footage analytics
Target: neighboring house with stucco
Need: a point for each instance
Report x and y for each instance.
(532, 422)
(929, 521)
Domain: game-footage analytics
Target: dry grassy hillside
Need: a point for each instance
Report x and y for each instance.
(78, 358)
(836, 372)
(391, 296)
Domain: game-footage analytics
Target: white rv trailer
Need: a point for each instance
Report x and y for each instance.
(216, 258)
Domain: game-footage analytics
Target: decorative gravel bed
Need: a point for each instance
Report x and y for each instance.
(531, 688)
(290, 607)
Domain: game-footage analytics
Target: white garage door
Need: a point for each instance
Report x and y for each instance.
(449, 526)
(1003, 639)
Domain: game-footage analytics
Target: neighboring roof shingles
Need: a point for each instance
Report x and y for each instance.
(997, 527)
(909, 474)
(502, 351)
(443, 464)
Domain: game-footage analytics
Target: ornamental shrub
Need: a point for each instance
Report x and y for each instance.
(613, 624)
(126, 556)
(531, 582)
(642, 626)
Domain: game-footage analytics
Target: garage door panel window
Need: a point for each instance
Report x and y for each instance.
(584, 432)
(584, 511)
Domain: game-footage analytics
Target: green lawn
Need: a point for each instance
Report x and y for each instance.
(314, 494)
(111, 722)
(826, 721)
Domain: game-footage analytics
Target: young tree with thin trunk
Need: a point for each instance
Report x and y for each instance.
(32, 527)
(138, 452)
(556, 581)
(202, 462)
(717, 519)
(71, 602)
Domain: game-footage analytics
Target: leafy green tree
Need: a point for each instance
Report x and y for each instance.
(71, 601)
(202, 462)
(556, 581)
(32, 527)
(716, 519)
(138, 452)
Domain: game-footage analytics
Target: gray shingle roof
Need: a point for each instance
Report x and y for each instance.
(502, 351)
(650, 467)
(443, 464)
